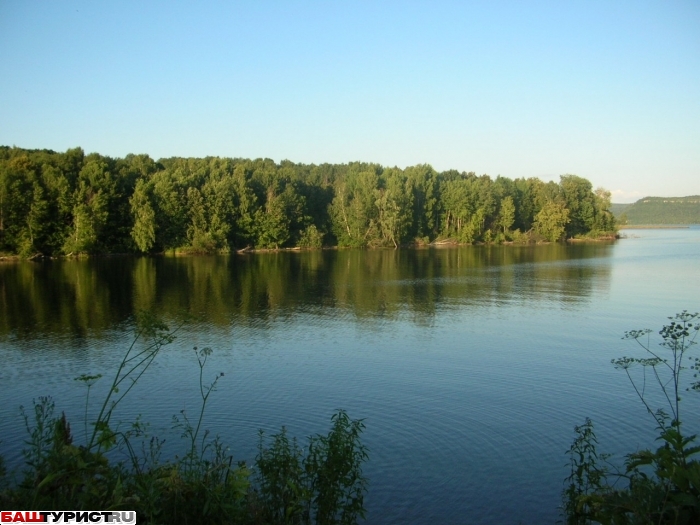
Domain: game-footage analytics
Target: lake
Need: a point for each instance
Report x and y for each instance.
(469, 365)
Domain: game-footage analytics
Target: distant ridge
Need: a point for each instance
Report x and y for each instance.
(659, 210)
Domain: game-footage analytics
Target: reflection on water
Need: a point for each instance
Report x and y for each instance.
(82, 297)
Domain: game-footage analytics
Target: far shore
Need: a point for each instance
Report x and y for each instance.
(654, 227)
(440, 244)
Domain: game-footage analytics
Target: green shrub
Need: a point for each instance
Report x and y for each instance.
(311, 237)
(325, 486)
(201, 486)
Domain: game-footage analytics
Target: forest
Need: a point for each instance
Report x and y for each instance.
(74, 203)
(659, 210)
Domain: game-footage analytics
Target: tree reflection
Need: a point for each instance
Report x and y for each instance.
(78, 297)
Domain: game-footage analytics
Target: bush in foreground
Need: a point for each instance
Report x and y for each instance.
(659, 486)
(321, 484)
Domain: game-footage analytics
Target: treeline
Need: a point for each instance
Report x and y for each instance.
(660, 210)
(72, 203)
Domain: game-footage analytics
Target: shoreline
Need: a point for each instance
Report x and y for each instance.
(655, 227)
(440, 244)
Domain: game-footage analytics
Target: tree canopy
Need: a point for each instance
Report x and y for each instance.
(71, 203)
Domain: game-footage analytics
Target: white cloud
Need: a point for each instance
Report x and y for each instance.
(626, 196)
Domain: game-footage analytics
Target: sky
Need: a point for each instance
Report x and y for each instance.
(608, 90)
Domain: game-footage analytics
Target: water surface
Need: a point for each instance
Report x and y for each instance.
(469, 365)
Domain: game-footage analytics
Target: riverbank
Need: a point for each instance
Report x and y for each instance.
(437, 244)
(655, 227)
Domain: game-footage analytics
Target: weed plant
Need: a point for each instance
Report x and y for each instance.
(659, 486)
(321, 485)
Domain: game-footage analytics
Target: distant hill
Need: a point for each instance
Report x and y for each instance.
(659, 210)
(618, 208)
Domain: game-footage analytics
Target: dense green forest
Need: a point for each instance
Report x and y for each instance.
(72, 203)
(659, 210)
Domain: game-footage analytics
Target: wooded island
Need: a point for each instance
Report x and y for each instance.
(72, 203)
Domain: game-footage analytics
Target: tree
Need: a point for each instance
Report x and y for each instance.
(526, 202)
(245, 205)
(506, 215)
(144, 230)
(36, 222)
(393, 207)
(580, 201)
(467, 202)
(59, 197)
(551, 221)
(89, 216)
(272, 223)
(604, 219)
(90, 208)
(423, 182)
(457, 208)
(170, 210)
(353, 210)
(199, 236)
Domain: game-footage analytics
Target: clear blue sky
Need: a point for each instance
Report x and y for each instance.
(609, 90)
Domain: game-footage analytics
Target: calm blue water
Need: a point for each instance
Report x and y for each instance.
(470, 366)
